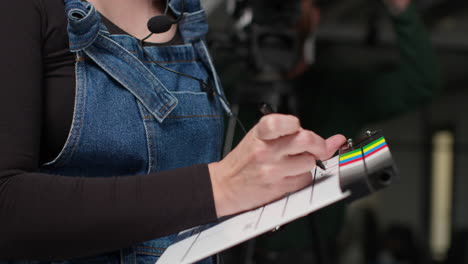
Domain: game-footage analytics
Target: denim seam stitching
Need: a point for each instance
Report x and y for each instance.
(149, 253)
(88, 10)
(130, 62)
(77, 122)
(82, 42)
(165, 62)
(144, 94)
(80, 124)
(179, 117)
(168, 62)
(150, 247)
(148, 140)
(216, 79)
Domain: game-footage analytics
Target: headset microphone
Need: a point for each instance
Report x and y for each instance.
(161, 24)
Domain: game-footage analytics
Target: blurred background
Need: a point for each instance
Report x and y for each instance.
(423, 216)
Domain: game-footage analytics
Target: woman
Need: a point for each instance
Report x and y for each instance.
(82, 102)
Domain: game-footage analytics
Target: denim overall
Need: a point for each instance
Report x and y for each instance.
(133, 117)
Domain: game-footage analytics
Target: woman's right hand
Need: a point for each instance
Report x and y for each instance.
(273, 159)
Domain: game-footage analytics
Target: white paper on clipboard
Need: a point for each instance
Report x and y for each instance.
(199, 243)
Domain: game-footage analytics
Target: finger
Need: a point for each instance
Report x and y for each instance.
(304, 141)
(294, 165)
(276, 125)
(295, 183)
(333, 144)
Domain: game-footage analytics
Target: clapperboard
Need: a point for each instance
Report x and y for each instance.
(363, 166)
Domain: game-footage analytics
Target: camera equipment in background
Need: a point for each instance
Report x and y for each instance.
(267, 29)
(265, 36)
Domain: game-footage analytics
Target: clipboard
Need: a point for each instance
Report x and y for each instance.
(363, 166)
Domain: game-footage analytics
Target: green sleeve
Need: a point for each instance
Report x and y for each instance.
(416, 80)
(346, 99)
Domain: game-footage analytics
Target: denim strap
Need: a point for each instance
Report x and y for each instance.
(83, 24)
(85, 37)
(129, 71)
(193, 28)
(202, 50)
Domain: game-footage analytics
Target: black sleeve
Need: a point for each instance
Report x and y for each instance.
(45, 217)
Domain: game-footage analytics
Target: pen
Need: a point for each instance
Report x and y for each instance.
(267, 109)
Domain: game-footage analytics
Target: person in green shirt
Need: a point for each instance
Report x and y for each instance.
(373, 95)
(343, 99)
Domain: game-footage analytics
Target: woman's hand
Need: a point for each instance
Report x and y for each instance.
(273, 159)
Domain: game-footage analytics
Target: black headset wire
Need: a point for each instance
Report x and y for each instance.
(167, 7)
(182, 5)
(205, 87)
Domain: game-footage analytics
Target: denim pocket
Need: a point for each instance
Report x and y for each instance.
(149, 252)
(146, 255)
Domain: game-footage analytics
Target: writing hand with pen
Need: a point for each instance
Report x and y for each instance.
(273, 159)
(266, 109)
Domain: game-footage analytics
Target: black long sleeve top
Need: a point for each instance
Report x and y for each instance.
(39, 215)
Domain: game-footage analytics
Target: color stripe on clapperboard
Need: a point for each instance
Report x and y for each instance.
(369, 150)
(374, 147)
(351, 157)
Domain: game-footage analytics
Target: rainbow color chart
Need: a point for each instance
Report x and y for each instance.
(367, 151)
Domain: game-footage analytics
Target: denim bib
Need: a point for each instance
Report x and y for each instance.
(133, 117)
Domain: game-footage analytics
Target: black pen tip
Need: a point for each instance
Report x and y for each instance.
(320, 164)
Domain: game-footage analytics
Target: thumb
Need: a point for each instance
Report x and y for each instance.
(333, 144)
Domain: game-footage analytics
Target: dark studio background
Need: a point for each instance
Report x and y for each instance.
(429, 144)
